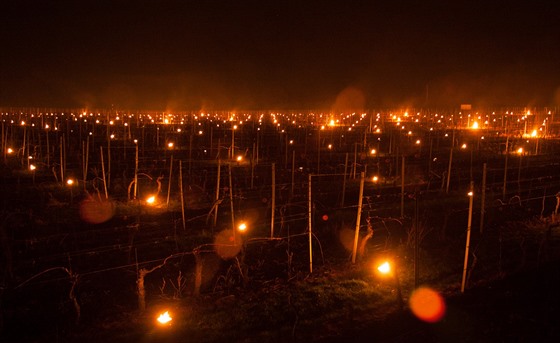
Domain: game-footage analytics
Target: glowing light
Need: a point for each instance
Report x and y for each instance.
(10, 150)
(375, 179)
(373, 151)
(520, 151)
(164, 318)
(470, 193)
(427, 305)
(242, 227)
(170, 145)
(239, 158)
(151, 200)
(384, 268)
(474, 125)
(70, 182)
(534, 133)
(417, 142)
(464, 146)
(32, 167)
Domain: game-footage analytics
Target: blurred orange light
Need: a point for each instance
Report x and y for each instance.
(164, 318)
(427, 305)
(384, 268)
(242, 227)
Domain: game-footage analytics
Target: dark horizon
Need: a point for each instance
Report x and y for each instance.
(189, 55)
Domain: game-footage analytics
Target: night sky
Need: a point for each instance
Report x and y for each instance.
(332, 55)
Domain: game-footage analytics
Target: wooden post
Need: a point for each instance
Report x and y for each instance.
(358, 218)
(190, 153)
(286, 152)
(62, 159)
(344, 181)
(108, 156)
(450, 162)
(273, 200)
(416, 242)
(232, 142)
(319, 151)
(483, 198)
(84, 162)
(103, 172)
(136, 173)
(467, 244)
(505, 171)
(231, 202)
(402, 187)
(309, 216)
(355, 161)
(48, 150)
(3, 145)
(182, 195)
(217, 198)
(170, 178)
(87, 162)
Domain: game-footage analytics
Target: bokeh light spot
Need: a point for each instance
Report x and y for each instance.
(427, 305)
(227, 244)
(96, 212)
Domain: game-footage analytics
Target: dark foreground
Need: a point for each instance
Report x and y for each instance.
(523, 307)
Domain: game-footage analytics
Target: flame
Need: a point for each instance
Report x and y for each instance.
(164, 318)
(384, 268)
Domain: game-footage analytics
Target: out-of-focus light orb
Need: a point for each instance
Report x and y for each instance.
(474, 125)
(427, 304)
(70, 182)
(375, 179)
(164, 318)
(170, 145)
(239, 158)
(10, 150)
(534, 133)
(151, 200)
(96, 212)
(227, 244)
(32, 167)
